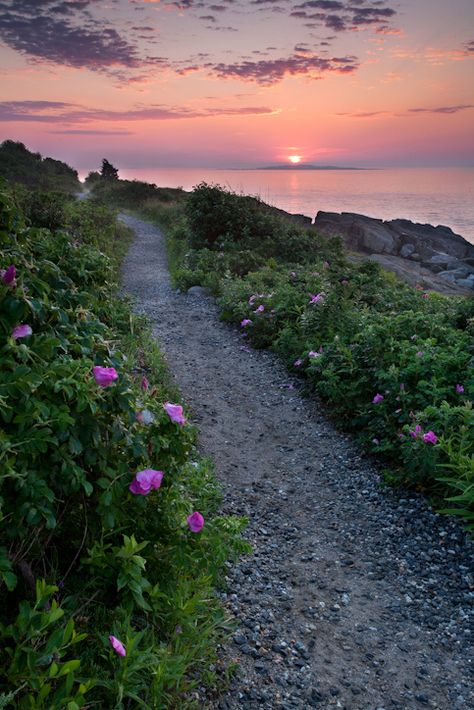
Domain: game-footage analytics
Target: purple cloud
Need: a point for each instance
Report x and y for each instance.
(271, 71)
(40, 30)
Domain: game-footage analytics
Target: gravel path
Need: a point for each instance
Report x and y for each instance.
(356, 596)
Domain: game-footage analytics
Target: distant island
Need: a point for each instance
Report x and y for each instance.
(306, 166)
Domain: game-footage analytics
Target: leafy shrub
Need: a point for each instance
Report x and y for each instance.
(131, 194)
(217, 216)
(19, 165)
(81, 556)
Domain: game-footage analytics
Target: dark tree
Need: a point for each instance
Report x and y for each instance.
(108, 172)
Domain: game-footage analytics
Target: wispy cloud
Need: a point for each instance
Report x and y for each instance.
(59, 112)
(85, 132)
(442, 109)
(365, 114)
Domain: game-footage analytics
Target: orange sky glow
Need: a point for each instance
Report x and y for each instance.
(239, 83)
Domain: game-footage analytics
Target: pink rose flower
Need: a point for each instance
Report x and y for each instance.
(144, 383)
(146, 481)
(175, 413)
(416, 432)
(313, 354)
(9, 275)
(21, 331)
(104, 376)
(298, 362)
(117, 646)
(260, 309)
(430, 438)
(245, 322)
(315, 297)
(195, 522)
(378, 398)
(459, 389)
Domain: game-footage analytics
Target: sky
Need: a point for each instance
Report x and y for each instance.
(239, 83)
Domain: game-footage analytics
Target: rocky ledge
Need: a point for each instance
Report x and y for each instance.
(436, 249)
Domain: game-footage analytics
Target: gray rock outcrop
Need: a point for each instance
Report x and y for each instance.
(437, 249)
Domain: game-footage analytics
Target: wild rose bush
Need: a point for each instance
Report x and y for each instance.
(386, 357)
(92, 546)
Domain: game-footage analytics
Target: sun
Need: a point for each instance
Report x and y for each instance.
(294, 159)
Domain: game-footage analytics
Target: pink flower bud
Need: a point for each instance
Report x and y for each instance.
(117, 646)
(9, 275)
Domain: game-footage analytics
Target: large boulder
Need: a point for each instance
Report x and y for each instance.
(430, 240)
(360, 233)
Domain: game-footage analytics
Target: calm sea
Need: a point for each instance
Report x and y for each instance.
(433, 196)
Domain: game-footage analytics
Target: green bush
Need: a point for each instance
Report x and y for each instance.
(81, 556)
(19, 165)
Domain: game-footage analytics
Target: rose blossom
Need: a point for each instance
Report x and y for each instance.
(195, 522)
(175, 413)
(21, 331)
(146, 481)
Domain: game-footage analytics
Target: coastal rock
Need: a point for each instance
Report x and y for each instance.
(360, 233)
(438, 249)
(448, 275)
(431, 240)
(466, 283)
(407, 250)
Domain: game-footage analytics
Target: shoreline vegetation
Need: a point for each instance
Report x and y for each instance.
(111, 545)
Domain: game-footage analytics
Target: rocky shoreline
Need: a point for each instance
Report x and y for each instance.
(414, 251)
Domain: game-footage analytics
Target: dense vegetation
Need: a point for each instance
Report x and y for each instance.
(129, 194)
(19, 165)
(110, 545)
(394, 363)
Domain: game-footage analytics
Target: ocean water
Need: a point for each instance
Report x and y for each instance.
(427, 195)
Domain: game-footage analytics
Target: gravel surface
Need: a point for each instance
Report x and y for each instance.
(356, 596)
